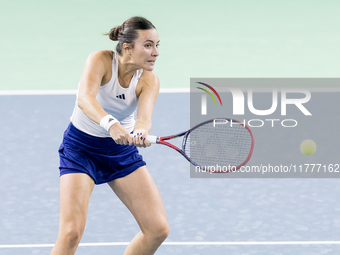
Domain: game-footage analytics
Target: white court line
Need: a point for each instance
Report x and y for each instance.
(174, 90)
(73, 92)
(162, 90)
(36, 92)
(183, 244)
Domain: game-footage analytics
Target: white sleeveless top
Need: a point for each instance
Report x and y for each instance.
(120, 102)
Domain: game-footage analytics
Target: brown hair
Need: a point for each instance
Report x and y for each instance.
(127, 32)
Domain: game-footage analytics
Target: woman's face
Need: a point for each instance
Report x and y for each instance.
(145, 51)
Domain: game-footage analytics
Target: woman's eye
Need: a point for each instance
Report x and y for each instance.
(148, 45)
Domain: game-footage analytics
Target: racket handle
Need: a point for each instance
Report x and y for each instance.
(150, 138)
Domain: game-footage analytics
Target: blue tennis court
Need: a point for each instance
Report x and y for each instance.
(219, 216)
(43, 47)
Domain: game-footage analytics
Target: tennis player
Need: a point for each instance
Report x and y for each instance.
(97, 146)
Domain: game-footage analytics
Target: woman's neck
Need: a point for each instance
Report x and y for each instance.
(126, 71)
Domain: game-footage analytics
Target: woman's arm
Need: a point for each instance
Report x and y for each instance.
(94, 75)
(147, 91)
(97, 72)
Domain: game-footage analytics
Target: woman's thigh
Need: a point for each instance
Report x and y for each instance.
(75, 192)
(141, 196)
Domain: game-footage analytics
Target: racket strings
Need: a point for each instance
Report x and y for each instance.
(223, 145)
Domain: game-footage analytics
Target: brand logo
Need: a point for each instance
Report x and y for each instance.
(122, 96)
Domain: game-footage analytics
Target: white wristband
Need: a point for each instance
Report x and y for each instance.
(107, 121)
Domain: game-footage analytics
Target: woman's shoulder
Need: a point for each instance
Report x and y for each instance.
(148, 82)
(149, 77)
(100, 62)
(101, 55)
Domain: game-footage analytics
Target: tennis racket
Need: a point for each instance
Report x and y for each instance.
(217, 145)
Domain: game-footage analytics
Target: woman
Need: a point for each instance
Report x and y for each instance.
(97, 146)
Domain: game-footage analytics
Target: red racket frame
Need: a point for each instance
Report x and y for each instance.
(163, 139)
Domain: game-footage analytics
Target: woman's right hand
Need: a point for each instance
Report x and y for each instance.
(120, 134)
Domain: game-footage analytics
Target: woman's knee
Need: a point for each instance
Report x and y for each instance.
(158, 231)
(71, 235)
(163, 231)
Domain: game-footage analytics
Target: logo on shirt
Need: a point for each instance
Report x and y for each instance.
(122, 96)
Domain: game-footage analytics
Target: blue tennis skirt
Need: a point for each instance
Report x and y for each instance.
(99, 157)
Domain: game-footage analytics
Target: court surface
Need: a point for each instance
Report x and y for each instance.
(45, 49)
(206, 216)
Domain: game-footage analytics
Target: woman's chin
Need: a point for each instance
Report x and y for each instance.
(148, 68)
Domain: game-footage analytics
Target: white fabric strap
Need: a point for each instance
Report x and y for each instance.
(107, 121)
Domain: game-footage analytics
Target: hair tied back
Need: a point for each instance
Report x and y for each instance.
(128, 32)
(115, 33)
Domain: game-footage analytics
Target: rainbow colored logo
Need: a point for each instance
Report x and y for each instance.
(209, 93)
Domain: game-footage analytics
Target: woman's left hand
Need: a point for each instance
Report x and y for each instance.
(139, 138)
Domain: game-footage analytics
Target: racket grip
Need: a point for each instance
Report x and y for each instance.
(150, 138)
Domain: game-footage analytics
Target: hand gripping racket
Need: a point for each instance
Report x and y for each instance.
(217, 145)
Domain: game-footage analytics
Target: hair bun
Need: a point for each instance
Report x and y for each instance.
(128, 32)
(115, 33)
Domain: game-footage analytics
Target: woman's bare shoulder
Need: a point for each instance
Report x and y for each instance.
(101, 55)
(149, 77)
